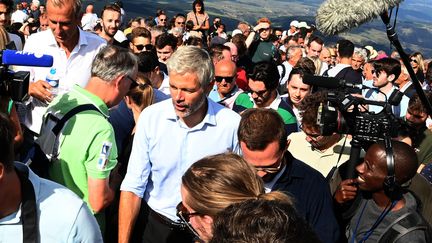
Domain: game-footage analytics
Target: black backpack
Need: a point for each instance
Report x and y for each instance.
(46, 147)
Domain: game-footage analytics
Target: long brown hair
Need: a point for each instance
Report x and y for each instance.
(215, 182)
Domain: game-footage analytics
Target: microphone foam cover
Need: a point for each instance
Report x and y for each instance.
(335, 16)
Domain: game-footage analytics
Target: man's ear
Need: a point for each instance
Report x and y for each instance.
(117, 81)
(391, 78)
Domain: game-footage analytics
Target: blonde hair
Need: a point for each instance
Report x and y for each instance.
(142, 95)
(215, 182)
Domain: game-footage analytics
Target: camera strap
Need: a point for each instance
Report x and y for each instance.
(332, 171)
(28, 207)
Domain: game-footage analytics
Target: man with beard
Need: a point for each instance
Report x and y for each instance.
(263, 83)
(111, 21)
(264, 145)
(420, 135)
(313, 51)
(170, 136)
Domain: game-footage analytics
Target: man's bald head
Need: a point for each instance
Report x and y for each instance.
(226, 66)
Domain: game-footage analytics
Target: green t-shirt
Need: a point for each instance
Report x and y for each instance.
(87, 144)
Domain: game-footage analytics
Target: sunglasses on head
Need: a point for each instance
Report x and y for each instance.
(227, 79)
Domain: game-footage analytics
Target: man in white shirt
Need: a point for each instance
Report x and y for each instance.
(73, 51)
(6, 7)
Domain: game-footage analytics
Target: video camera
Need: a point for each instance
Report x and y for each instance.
(15, 84)
(345, 113)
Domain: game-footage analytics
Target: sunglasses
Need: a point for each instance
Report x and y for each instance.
(163, 20)
(184, 215)
(141, 47)
(180, 22)
(227, 79)
(264, 29)
(414, 60)
(271, 169)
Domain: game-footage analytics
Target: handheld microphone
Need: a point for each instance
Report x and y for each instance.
(21, 58)
(329, 82)
(335, 16)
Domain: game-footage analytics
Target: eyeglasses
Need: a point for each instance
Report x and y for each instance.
(220, 79)
(185, 216)
(271, 169)
(134, 83)
(259, 93)
(414, 60)
(312, 136)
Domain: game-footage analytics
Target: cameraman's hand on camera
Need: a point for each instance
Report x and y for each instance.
(346, 191)
(41, 91)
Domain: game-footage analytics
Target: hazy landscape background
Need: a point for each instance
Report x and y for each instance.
(414, 24)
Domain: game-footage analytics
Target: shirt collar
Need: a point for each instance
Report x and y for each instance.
(210, 117)
(82, 41)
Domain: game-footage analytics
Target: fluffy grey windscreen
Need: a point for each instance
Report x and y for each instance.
(335, 16)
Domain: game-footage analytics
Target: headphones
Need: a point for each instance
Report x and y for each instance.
(391, 187)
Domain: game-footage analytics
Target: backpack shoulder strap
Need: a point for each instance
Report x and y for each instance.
(409, 222)
(59, 126)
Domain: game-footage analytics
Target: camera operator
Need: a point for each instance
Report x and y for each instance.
(322, 152)
(385, 211)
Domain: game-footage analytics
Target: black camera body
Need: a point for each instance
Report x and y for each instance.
(342, 114)
(14, 84)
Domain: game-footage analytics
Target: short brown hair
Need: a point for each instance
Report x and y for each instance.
(259, 127)
(309, 109)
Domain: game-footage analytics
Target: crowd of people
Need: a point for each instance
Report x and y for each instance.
(175, 129)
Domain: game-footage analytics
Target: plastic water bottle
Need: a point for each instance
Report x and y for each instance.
(53, 80)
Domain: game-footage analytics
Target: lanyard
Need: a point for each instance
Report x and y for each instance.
(28, 208)
(380, 218)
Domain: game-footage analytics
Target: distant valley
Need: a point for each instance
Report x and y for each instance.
(414, 26)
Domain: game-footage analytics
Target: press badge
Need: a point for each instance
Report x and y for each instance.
(104, 155)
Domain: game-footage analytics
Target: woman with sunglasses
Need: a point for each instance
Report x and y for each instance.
(212, 184)
(417, 63)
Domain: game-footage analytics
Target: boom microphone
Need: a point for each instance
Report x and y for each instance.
(335, 16)
(329, 82)
(21, 58)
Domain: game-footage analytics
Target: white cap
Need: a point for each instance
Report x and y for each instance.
(294, 23)
(236, 32)
(303, 25)
(282, 48)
